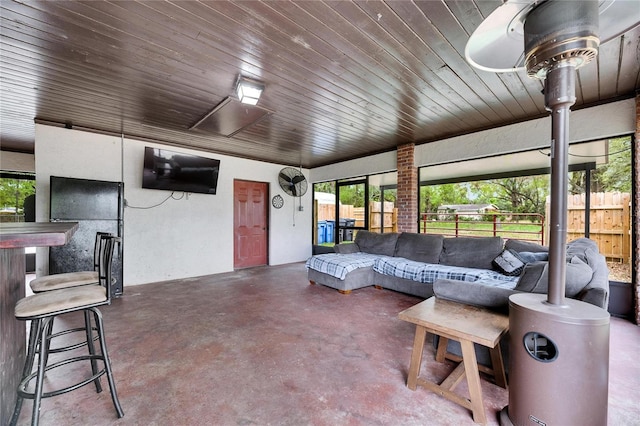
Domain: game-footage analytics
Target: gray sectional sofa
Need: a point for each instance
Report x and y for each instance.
(460, 269)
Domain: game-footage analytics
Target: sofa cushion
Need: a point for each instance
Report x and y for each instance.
(509, 263)
(519, 245)
(374, 243)
(579, 274)
(346, 248)
(531, 256)
(579, 248)
(419, 247)
(470, 252)
(535, 277)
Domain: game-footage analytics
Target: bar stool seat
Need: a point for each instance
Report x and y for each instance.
(71, 279)
(64, 280)
(41, 309)
(53, 301)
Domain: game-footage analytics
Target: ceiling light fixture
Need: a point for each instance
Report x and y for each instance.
(248, 90)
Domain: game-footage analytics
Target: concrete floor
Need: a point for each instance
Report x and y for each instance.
(263, 347)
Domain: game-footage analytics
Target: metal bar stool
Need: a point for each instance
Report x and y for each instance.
(41, 309)
(74, 279)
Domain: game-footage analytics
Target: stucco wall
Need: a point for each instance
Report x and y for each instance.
(182, 238)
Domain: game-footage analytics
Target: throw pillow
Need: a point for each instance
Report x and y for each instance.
(509, 263)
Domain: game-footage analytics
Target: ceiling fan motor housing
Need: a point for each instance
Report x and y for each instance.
(560, 33)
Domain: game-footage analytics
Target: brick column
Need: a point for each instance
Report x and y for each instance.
(407, 201)
(635, 238)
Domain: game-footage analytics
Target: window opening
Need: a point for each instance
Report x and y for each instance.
(352, 212)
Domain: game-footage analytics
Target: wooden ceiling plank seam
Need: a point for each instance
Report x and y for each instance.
(333, 83)
(415, 18)
(342, 95)
(71, 80)
(54, 94)
(105, 88)
(399, 70)
(629, 63)
(381, 77)
(370, 27)
(114, 59)
(608, 63)
(73, 75)
(448, 78)
(448, 27)
(440, 93)
(514, 85)
(15, 15)
(466, 13)
(590, 83)
(486, 7)
(129, 40)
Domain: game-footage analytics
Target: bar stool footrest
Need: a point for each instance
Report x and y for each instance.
(30, 395)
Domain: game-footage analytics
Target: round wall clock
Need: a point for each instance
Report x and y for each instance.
(277, 201)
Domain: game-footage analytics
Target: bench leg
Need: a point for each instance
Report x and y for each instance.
(441, 353)
(497, 364)
(473, 381)
(416, 357)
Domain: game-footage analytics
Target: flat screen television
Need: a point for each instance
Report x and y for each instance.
(175, 171)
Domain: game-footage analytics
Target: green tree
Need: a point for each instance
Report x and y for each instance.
(352, 195)
(615, 175)
(14, 191)
(431, 197)
(526, 194)
(328, 187)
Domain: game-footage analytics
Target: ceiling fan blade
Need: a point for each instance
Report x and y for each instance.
(294, 192)
(284, 177)
(298, 179)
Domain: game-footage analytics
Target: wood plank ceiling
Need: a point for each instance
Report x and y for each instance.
(344, 79)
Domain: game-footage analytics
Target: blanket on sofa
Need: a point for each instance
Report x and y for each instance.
(339, 265)
(429, 272)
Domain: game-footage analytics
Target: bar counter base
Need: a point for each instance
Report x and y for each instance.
(13, 342)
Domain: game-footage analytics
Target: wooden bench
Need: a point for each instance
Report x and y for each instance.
(468, 325)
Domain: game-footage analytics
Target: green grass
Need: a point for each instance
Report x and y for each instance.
(522, 231)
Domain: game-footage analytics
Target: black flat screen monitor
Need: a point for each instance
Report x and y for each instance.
(174, 171)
